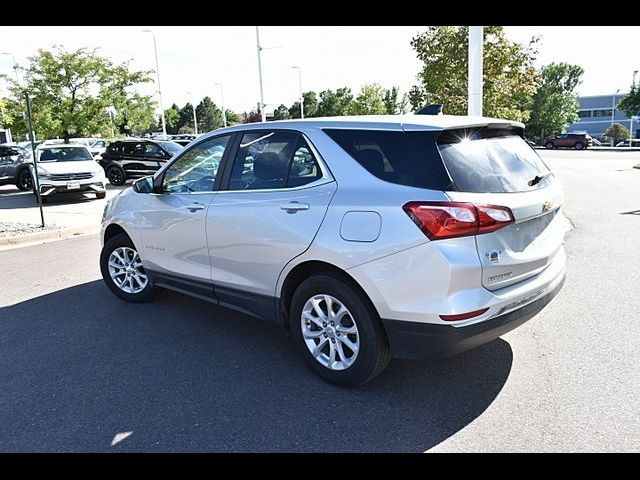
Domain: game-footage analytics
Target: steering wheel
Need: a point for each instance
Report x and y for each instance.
(204, 184)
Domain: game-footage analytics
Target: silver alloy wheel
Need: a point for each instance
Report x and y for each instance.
(330, 332)
(126, 270)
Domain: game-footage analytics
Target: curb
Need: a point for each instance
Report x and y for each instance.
(48, 236)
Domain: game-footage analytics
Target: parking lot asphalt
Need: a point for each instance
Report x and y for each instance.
(179, 374)
(63, 210)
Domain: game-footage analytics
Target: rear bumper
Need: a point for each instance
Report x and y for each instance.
(427, 341)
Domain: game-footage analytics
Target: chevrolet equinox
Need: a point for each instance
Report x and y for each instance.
(413, 237)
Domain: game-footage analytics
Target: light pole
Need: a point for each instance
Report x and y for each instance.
(264, 114)
(474, 96)
(195, 119)
(155, 50)
(633, 87)
(300, 86)
(224, 114)
(613, 106)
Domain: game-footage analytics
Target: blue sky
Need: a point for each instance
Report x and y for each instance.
(193, 59)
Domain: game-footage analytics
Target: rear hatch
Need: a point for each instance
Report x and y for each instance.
(495, 166)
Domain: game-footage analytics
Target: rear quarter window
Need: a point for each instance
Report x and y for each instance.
(403, 158)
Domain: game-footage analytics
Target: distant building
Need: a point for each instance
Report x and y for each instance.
(595, 115)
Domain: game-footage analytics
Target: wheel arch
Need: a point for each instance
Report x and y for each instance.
(114, 229)
(304, 270)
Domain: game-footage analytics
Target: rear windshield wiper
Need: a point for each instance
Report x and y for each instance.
(538, 178)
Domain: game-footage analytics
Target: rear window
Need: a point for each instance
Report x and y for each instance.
(485, 161)
(404, 158)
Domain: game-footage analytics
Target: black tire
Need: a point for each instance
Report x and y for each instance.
(116, 176)
(373, 354)
(122, 240)
(101, 195)
(579, 145)
(24, 181)
(549, 145)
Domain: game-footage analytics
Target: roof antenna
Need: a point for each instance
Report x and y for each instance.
(431, 109)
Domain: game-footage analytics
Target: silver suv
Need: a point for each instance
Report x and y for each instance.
(414, 237)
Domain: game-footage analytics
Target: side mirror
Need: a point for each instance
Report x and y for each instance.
(143, 185)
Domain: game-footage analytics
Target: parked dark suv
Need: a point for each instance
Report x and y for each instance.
(127, 159)
(578, 141)
(14, 167)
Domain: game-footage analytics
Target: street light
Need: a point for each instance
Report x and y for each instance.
(195, 120)
(15, 65)
(224, 114)
(264, 115)
(633, 86)
(613, 106)
(155, 49)
(300, 86)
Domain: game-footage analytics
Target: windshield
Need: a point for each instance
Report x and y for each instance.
(492, 165)
(171, 147)
(66, 154)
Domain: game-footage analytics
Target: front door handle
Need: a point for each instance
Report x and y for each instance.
(194, 207)
(293, 207)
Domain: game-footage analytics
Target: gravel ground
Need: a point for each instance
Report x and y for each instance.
(14, 229)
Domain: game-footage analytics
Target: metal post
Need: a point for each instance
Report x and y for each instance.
(224, 114)
(155, 50)
(633, 87)
(474, 106)
(613, 106)
(300, 86)
(195, 120)
(35, 158)
(264, 114)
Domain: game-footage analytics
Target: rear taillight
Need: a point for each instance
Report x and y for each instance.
(439, 220)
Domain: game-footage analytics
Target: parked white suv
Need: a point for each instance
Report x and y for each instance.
(68, 168)
(414, 237)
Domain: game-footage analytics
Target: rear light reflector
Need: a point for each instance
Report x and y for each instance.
(439, 220)
(463, 316)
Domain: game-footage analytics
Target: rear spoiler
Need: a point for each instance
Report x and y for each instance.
(431, 109)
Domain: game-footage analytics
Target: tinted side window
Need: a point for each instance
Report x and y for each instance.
(153, 150)
(113, 148)
(304, 167)
(404, 158)
(263, 160)
(196, 170)
(133, 148)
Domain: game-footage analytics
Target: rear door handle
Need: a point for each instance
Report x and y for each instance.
(293, 207)
(194, 207)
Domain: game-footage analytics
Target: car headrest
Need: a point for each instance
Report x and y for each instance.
(269, 166)
(372, 160)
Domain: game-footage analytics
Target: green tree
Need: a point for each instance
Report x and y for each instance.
(185, 124)
(370, 101)
(310, 100)
(335, 103)
(71, 91)
(631, 102)
(508, 72)
(209, 115)
(281, 113)
(555, 103)
(395, 103)
(172, 119)
(617, 132)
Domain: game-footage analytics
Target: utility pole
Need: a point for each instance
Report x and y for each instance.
(300, 87)
(155, 49)
(474, 99)
(633, 87)
(224, 114)
(264, 114)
